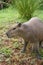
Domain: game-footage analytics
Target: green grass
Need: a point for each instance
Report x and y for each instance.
(39, 13)
(8, 14)
(11, 14)
(27, 8)
(6, 51)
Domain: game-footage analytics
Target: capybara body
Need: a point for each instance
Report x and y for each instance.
(31, 30)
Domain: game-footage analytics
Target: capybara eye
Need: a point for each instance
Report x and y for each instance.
(14, 28)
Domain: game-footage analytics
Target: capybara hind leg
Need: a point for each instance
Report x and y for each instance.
(36, 50)
(40, 46)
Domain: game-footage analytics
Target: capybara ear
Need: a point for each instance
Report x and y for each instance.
(19, 24)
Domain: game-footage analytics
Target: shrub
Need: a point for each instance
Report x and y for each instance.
(26, 8)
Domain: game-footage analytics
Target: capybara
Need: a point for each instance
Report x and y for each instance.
(31, 31)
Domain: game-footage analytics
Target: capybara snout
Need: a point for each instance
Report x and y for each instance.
(14, 31)
(8, 35)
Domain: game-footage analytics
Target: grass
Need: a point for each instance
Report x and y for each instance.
(11, 14)
(39, 13)
(6, 51)
(8, 14)
(27, 8)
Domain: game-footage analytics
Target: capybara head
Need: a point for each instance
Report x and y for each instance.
(15, 31)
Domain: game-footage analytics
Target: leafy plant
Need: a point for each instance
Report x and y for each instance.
(6, 51)
(26, 8)
(16, 45)
(41, 52)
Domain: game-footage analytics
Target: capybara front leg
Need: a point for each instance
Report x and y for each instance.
(24, 48)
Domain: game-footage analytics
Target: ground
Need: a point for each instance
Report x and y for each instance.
(10, 49)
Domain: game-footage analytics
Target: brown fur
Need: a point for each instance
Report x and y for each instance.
(31, 30)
